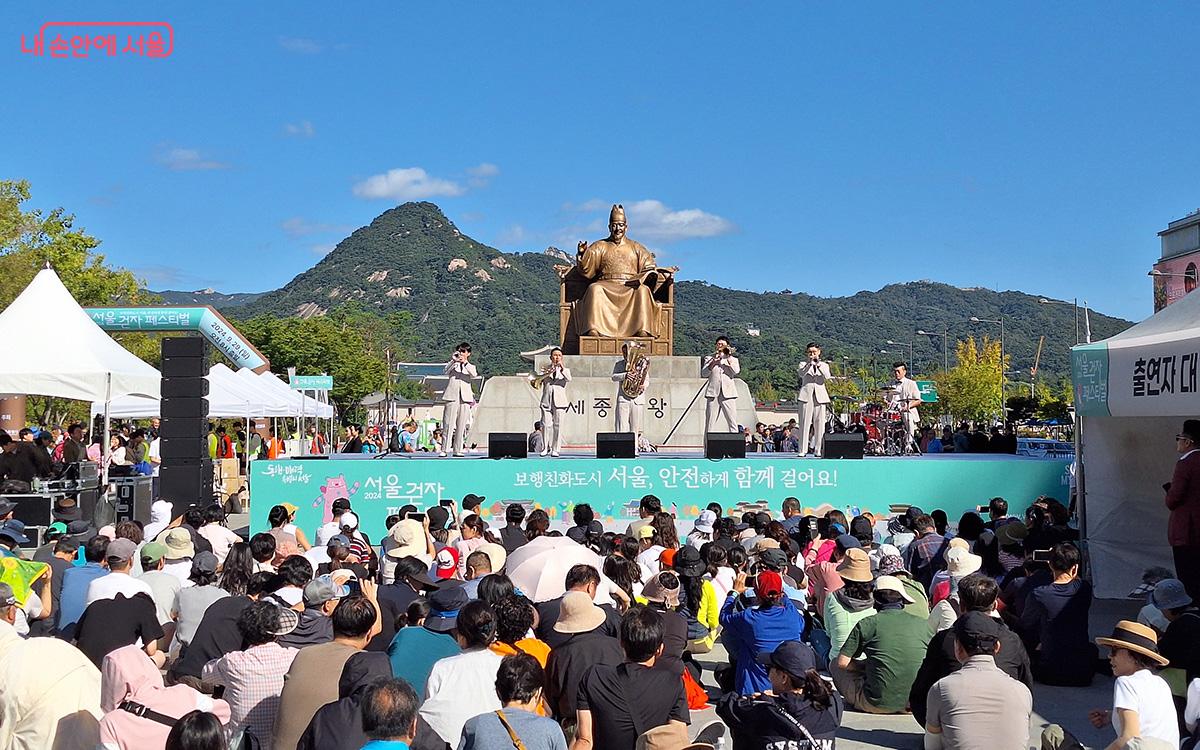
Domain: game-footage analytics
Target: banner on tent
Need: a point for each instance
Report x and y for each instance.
(378, 488)
(1153, 379)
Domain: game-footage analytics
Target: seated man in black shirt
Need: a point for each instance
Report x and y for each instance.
(976, 593)
(581, 577)
(1054, 623)
(617, 704)
(109, 624)
(1181, 641)
(217, 634)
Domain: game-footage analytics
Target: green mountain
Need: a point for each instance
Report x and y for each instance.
(413, 258)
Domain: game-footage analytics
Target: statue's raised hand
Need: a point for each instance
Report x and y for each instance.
(580, 248)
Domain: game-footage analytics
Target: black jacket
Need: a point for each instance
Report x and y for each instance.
(763, 723)
(338, 725)
(568, 662)
(512, 537)
(940, 661)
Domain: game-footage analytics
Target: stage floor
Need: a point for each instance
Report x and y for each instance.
(379, 485)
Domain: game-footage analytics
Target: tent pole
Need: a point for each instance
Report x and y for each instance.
(106, 444)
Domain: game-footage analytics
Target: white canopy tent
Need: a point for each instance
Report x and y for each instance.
(305, 406)
(1132, 393)
(228, 396)
(52, 348)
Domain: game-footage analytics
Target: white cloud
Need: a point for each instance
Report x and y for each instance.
(162, 275)
(300, 45)
(512, 235)
(298, 226)
(481, 175)
(587, 207)
(187, 159)
(655, 222)
(302, 129)
(406, 184)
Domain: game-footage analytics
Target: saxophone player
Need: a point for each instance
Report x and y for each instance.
(629, 410)
(458, 397)
(554, 401)
(720, 394)
(814, 400)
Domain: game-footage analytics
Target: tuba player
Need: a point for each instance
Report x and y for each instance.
(631, 387)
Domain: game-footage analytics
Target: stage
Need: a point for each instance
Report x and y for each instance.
(378, 485)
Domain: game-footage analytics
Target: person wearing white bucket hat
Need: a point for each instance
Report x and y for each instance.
(960, 563)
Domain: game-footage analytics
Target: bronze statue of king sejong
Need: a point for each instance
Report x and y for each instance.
(622, 276)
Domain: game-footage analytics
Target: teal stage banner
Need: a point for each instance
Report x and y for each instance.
(377, 488)
(204, 320)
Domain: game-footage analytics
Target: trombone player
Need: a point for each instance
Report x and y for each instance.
(814, 400)
(458, 397)
(631, 373)
(554, 381)
(720, 394)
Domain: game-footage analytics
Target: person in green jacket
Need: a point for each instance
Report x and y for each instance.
(918, 604)
(852, 602)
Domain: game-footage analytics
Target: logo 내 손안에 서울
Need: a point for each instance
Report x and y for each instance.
(104, 38)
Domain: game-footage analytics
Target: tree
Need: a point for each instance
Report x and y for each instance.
(30, 238)
(971, 389)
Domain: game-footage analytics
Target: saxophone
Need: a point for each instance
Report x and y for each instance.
(637, 366)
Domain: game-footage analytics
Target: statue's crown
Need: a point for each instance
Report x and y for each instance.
(617, 213)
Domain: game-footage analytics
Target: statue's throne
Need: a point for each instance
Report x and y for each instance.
(571, 290)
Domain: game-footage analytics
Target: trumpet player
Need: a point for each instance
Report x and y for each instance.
(459, 398)
(629, 410)
(721, 393)
(814, 400)
(554, 401)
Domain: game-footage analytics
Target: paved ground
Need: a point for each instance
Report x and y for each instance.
(1051, 705)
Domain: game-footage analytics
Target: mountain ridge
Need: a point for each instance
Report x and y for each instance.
(413, 258)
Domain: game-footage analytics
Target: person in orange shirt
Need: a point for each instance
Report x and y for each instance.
(514, 627)
(275, 447)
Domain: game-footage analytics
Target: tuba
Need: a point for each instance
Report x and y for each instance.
(637, 366)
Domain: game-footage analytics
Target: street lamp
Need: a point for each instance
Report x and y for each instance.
(999, 322)
(945, 334)
(910, 351)
(1074, 303)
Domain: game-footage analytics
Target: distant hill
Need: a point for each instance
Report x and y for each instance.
(206, 297)
(413, 258)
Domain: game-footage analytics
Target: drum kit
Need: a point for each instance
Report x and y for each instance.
(879, 422)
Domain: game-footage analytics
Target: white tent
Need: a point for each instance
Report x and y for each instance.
(1132, 392)
(228, 396)
(305, 406)
(52, 348)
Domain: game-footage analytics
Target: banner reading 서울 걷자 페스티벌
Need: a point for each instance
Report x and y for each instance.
(378, 488)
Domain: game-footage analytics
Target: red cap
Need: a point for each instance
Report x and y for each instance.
(446, 562)
(769, 583)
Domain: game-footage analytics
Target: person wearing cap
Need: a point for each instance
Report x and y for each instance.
(163, 585)
(959, 563)
(1180, 643)
(1143, 713)
(978, 705)
(12, 536)
(253, 677)
(1183, 500)
(697, 600)
(334, 525)
(1054, 623)
(939, 589)
(191, 602)
(307, 685)
(340, 557)
(823, 577)
(119, 561)
(977, 593)
(51, 535)
(580, 639)
(893, 644)
(427, 635)
(798, 695)
(750, 630)
(582, 577)
(851, 602)
(662, 595)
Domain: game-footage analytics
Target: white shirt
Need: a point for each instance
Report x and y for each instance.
(906, 390)
(220, 538)
(317, 556)
(116, 582)
(155, 455)
(1149, 695)
(649, 563)
(181, 569)
(1191, 714)
(327, 532)
(460, 687)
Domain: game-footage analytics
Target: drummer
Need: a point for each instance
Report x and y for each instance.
(905, 397)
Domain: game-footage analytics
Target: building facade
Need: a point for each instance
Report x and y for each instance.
(1176, 270)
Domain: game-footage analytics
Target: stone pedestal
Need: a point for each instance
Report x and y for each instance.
(509, 404)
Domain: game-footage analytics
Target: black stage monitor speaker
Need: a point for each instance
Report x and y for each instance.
(616, 445)
(32, 510)
(133, 499)
(724, 445)
(508, 445)
(184, 388)
(184, 346)
(844, 445)
(169, 408)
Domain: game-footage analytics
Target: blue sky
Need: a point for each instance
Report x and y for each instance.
(822, 148)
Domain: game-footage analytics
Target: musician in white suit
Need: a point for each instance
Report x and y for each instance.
(905, 396)
(459, 399)
(554, 401)
(629, 411)
(721, 392)
(814, 400)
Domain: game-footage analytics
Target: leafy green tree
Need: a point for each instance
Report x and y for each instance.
(971, 389)
(30, 238)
